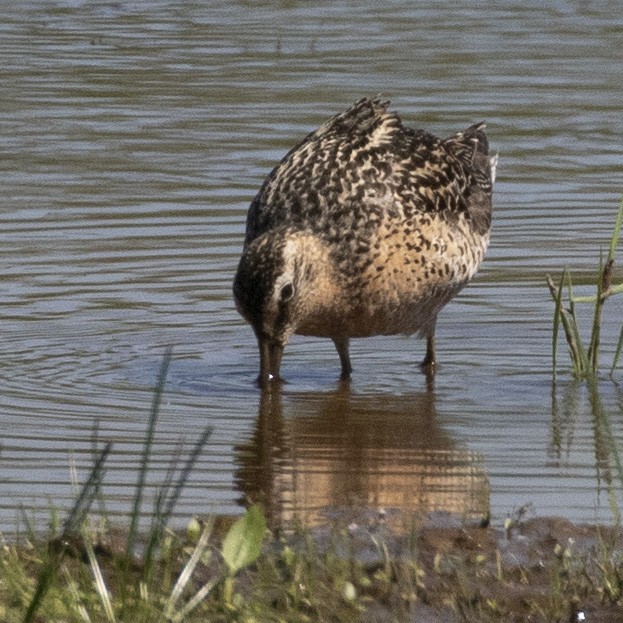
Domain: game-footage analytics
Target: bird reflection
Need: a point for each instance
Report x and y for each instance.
(314, 455)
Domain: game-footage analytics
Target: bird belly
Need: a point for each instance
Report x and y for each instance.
(388, 311)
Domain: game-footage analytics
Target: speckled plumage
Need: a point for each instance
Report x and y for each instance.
(365, 228)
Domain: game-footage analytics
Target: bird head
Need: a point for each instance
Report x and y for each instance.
(274, 291)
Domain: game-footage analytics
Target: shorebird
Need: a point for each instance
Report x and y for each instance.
(366, 227)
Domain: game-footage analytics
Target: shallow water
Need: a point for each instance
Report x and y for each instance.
(133, 137)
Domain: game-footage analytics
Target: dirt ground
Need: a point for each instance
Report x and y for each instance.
(538, 569)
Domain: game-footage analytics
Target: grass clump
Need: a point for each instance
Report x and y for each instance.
(585, 359)
(92, 572)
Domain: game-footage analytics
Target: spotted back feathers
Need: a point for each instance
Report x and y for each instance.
(363, 167)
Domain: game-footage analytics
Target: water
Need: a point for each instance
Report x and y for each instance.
(133, 137)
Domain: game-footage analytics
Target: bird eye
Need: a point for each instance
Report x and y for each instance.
(286, 292)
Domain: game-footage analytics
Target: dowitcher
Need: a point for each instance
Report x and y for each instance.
(365, 228)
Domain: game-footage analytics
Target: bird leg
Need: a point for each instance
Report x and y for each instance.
(341, 345)
(270, 361)
(428, 363)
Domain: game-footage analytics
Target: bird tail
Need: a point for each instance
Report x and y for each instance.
(471, 148)
(493, 165)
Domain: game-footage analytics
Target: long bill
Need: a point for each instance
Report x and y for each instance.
(270, 361)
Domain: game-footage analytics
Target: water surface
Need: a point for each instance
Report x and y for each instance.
(133, 137)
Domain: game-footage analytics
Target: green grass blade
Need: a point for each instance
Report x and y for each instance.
(81, 506)
(568, 320)
(570, 292)
(72, 524)
(74, 591)
(185, 576)
(166, 491)
(100, 583)
(618, 289)
(603, 290)
(146, 454)
(46, 576)
(168, 498)
(556, 327)
(615, 234)
(613, 245)
(95, 443)
(185, 473)
(167, 484)
(203, 592)
(593, 349)
(29, 526)
(576, 347)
